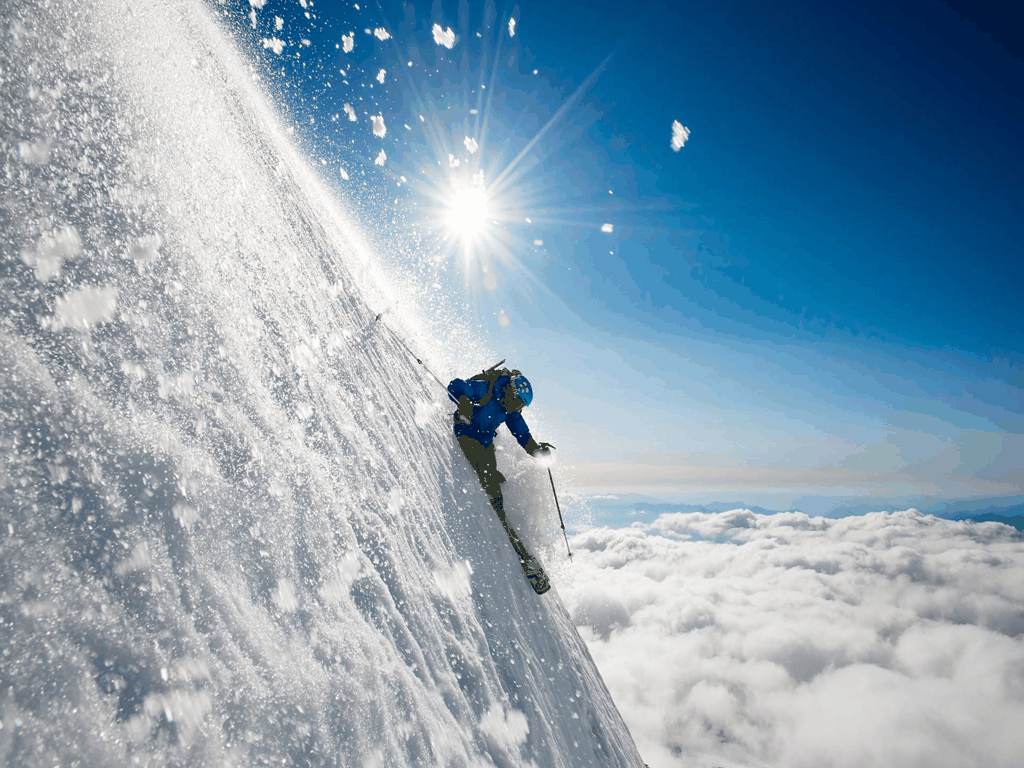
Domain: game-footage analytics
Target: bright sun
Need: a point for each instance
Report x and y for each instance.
(467, 212)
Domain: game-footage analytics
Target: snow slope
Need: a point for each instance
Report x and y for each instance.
(233, 528)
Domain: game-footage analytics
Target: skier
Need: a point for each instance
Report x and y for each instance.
(485, 402)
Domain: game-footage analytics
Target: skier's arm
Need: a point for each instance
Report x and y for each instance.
(517, 426)
(474, 389)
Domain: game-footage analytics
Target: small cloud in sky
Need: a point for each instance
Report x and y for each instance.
(745, 639)
(348, 42)
(381, 158)
(511, 27)
(381, 34)
(607, 228)
(444, 37)
(471, 145)
(379, 130)
(274, 44)
(350, 112)
(381, 75)
(680, 133)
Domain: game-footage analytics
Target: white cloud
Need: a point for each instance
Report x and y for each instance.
(786, 640)
(381, 34)
(680, 133)
(445, 37)
(379, 129)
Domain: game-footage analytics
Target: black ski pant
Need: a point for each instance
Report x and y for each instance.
(484, 461)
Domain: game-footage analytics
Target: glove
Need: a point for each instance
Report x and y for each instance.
(542, 450)
(465, 409)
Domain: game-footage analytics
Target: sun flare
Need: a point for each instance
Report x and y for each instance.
(467, 212)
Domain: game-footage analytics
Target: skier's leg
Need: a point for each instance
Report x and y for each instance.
(484, 462)
(498, 503)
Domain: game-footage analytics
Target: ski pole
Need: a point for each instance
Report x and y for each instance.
(560, 520)
(406, 346)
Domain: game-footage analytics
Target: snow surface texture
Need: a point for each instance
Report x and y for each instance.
(738, 639)
(234, 526)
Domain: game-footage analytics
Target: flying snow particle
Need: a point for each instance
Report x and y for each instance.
(145, 250)
(680, 133)
(284, 596)
(138, 561)
(380, 159)
(456, 582)
(511, 27)
(350, 112)
(453, 161)
(606, 227)
(378, 126)
(34, 153)
(50, 253)
(381, 75)
(471, 145)
(257, 4)
(344, 173)
(278, 23)
(444, 37)
(348, 42)
(538, 242)
(381, 34)
(274, 44)
(505, 731)
(186, 515)
(83, 308)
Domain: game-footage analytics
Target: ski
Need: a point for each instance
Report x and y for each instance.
(536, 576)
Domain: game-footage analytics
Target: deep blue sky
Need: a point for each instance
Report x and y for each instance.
(864, 161)
(816, 297)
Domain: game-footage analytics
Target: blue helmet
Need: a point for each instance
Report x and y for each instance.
(522, 388)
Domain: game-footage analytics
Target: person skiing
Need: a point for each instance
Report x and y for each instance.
(485, 402)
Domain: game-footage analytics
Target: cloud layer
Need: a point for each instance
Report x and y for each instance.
(786, 640)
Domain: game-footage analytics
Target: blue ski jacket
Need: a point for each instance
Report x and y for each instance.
(488, 417)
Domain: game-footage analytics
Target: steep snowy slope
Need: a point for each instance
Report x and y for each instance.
(233, 529)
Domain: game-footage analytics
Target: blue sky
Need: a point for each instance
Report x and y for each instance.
(816, 298)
